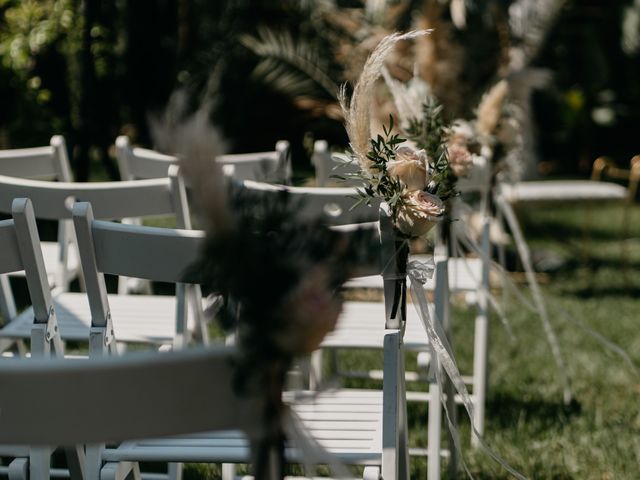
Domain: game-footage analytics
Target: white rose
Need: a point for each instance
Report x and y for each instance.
(419, 213)
(411, 167)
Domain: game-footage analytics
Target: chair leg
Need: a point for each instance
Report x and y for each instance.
(434, 432)
(39, 463)
(120, 471)
(175, 471)
(93, 461)
(75, 461)
(315, 370)
(371, 473)
(480, 373)
(228, 471)
(19, 469)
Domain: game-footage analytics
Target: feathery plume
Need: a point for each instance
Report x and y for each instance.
(490, 108)
(407, 97)
(357, 111)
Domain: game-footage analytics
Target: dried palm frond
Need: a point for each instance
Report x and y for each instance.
(293, 67)
(357, 111)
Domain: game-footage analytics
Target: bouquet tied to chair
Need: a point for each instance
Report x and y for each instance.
(279, 278)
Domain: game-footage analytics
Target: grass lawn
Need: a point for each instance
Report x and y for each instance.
(598, 436)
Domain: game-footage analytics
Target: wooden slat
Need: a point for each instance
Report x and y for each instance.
(136, 318)
(119, 398)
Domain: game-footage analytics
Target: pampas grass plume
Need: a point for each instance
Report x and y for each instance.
(357, 111)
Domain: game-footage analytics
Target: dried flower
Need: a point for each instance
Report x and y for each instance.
(312, 310)
(357, 111)
(419, 213)
(490, 108)
(460, 159)
(411, 167)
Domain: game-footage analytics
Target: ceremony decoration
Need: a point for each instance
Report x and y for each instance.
(279, 278)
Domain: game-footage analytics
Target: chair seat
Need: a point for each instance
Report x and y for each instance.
(562, 190)
(136, 318)
(361, 325)
(465, 274)
(51, 254)
(348, 423)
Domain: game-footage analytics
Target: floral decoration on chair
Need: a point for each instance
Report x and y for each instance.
(279, 277)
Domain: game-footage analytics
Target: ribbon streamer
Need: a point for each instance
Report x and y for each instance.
(444, 357)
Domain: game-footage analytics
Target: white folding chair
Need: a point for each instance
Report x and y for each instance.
(116, 399)
(20, 251)
(139, 163)
(357, 327)
(466, 275)
(327, 165)
(153, 319)
(50, 163)
(367, 437)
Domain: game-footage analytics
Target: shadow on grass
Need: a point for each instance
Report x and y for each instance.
(505, 410)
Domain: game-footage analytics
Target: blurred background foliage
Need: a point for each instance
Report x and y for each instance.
(93, 69)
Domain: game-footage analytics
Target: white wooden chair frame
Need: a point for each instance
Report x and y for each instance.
(20, 250)
(112, 200)
(354, 330)
(466, 275)
(130, 250)
(142, 163)
(61, 260)
(201, 398)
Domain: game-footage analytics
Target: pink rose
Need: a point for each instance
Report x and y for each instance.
(311, 311)
(419, 213)
(411, 167)
(460, 159)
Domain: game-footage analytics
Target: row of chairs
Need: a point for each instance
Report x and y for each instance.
(334, 204)
(358, 434)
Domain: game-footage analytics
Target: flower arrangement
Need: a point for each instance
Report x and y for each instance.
(279, 278)
(408, 179)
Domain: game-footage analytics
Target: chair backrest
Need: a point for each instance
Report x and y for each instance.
(38, 162)
(333, 205)
(142, 163)
(155, 253)
(20, 250)
(111, 200)
(38, 409)
(326, 165)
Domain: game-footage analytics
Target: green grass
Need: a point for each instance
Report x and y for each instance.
(598, 435)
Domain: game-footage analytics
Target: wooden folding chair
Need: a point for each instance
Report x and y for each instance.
(141, 163)
(469, 276)
(20, 251)
(152, 319)
(374, 439)
(357, 327)
(116, 399)
(60, 257)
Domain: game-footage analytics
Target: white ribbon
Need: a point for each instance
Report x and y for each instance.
(469, 243)
(444, 357)
(523, 251)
